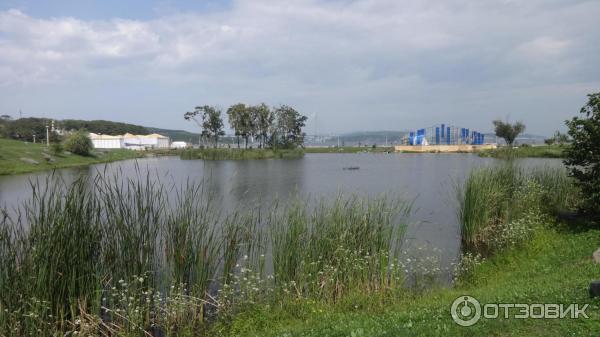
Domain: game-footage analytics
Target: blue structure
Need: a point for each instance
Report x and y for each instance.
(445, 134)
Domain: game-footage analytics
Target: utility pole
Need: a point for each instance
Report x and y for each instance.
(47, 135)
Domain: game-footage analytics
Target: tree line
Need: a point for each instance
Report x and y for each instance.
(274, 127)
(25, 128)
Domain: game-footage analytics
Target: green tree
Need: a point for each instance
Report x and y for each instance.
(4, 121)
(102, 127)
(288, 131)
(262, 119)
(507, 131)
(79, 143)
(234, 114)
(213, 123)
(26, 129)
(583, 154)
(198, 116)
(560, 138)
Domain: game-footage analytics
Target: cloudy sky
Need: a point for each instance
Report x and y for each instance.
(354, 65)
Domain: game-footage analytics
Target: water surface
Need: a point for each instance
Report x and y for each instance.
(427, 179)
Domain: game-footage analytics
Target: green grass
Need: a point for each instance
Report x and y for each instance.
(542, 151)
(339, 247)
(12, 152)
(347, 149)
(553, 267)
(240, 154)
(492, 199)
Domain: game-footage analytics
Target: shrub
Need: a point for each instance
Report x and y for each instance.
(79, 143)
(583, 155)
(56, 148)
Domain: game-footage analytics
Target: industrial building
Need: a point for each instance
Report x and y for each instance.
(444, 138)
(179, 145)
(130, 141)
(445, 135)
(107, 141)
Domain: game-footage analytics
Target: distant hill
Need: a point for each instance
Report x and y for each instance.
(101, 126)
(176, 135)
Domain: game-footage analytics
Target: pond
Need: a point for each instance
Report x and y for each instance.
(429, 180)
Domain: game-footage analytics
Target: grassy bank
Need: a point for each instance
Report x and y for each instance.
(542, 151)
(20, 157)
(348, 149)
(240, 154)
(554, 266)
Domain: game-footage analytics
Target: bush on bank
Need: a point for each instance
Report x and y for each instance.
(79, 143)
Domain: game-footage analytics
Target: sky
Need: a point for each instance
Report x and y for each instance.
(348, 65)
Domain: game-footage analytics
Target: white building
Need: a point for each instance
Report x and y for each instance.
(179, 145)
(130, 141)
(141, 142)
(107, 141)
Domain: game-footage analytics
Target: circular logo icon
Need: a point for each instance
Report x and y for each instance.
(466, 311)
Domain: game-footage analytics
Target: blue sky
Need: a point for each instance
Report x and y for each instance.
(107, 9)
(355, 65)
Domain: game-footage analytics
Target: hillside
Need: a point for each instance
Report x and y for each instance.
(176, 135)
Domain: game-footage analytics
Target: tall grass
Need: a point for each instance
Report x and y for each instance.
(131, 256)
(240, 154)
(543, 151)
(337, 247)
(491, 198)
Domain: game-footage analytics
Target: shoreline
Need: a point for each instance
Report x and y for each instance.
(17, 157)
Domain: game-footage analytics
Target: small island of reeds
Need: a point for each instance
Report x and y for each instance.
(241, 154)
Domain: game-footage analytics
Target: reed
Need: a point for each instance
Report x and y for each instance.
(241, 154)
(492, 198)
(128, 256)
(337, 247)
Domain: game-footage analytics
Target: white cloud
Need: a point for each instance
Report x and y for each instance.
(326, 56)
